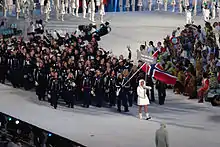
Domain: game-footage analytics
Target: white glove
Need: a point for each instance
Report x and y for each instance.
(93, 93)
(36, 84)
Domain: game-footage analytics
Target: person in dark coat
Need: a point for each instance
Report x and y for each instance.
(161, 87)
(40, 81)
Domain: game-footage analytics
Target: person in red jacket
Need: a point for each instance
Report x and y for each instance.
(204, 89)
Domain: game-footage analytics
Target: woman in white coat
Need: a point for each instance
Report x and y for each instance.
(143, 100)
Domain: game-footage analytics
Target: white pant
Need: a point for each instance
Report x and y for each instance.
(75, 4)
(133, 5)
(181, 8)
(91, 10)
(165, 6)
(102, 9)
(120, 5)
(150, 5)
(84, 6)
(188, 19)
(213, 13)
(127, 5)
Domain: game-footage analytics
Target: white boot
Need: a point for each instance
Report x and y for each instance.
(140, 115)
(70, 10)
(148, 116)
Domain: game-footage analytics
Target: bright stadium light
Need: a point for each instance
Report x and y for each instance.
(49, 134)
(9, 118)
(16, 122)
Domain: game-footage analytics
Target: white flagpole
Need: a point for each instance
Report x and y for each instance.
(134, 74)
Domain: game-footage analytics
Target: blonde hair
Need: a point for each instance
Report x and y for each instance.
(125, 73)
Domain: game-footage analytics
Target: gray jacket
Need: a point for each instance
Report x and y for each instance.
(161, 138)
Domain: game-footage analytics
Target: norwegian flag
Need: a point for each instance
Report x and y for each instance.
(156, 54)
(156, 71)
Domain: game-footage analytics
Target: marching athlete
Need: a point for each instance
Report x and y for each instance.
(91, 9)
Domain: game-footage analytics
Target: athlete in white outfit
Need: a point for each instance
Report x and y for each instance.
(75, 7)
(173, 3)
(9, 6)
(159, 3)
(63, 10)
(150, 5)
(18, 8)
(188, 15)
(23, 5)
(102, 11)
(120, 5)
(206, 14)
(195, 7)
(133, 5)
(5, 8)
(140, 5)
(31, 9)
(91, 9)
(127, 5)
(84, 6)
(47, 9)
(66, 6)
(41, 7)
(165, 5)
(181, 6)
(56, 4)
(213, 8)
